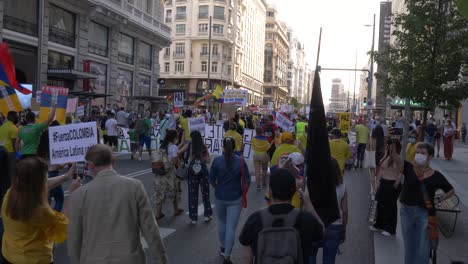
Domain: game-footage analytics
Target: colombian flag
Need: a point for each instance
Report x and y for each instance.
(8, 99)
(50, 94)
(7, 70)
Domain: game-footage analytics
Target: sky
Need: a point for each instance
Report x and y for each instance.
(343, 34)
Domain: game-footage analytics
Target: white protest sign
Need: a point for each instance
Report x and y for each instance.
(237, 97)
(71, 105)
(270, 106)
(197, 124)
(80, 110)
(290, 108)
(70, 143)
(179, 99)
(283, 122)
(124, 142)
(214, 138)
(247, 139)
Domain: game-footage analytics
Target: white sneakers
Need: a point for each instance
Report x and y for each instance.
(384, 233)
(373, 229)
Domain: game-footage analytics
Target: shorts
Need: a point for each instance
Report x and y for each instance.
(134, 146)
(145, 140)
(113, 140)
(262, 157)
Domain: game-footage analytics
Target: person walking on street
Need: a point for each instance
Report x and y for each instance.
(437, 137)
(362, 136)
(199, 158)
(377, 144)
(112, 131)
(463, 133)
(228, 174)
(391, 168)
(260, 146)
(8, 135)
(122, 118)
(339, 149)
(232, 133)
(449, 135)
(143, 130)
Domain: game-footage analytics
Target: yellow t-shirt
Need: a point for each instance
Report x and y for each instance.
(283, 149)
(8, 132)
(303, 141)
(237, 138)
(339, 150)
(260, 144)
(242, 123)
(184, 124)
(362, 134)
(410, 152)
(32, 242)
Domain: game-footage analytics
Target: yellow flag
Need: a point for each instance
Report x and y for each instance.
(218, 92)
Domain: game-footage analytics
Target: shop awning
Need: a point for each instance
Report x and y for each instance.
(70, 74)
(147, 98)
(88, 95)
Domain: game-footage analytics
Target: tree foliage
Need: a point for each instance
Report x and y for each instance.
(294, 102)
(429, 60)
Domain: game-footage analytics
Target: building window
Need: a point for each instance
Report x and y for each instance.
(203, 12)
(270, 25)
(56, 60)
(204, 66)
(20, 19)
(214, 66)
(204, 49)
(179, 66)
(168, 2)
(270, 14)
(98, 85)
(229, 69)
(218, 13)
(126, 49)
(203, 27)
(215, 49)
(167, 52)
(145, 55)
(61, 26)
(269, 36)
(181, 13)
(144, 85)
(268, 90)
(98, 39)
(218, 29)
(169, 16)
(180, 48)
(167, 67)
(221, 1)
(180, 29)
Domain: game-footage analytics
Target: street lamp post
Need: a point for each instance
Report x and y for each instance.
(371, 76)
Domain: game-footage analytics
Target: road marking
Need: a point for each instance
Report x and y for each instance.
(163, 232)
(201, 209)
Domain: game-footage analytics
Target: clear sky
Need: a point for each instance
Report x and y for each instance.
(343, 32)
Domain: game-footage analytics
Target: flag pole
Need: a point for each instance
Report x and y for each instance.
(318, 50)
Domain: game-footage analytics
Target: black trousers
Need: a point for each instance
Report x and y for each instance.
(361, 150)
(387, 208)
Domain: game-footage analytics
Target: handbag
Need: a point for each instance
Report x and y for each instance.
(244, 185)
(372, 214)
(182, 172)
(369, 159)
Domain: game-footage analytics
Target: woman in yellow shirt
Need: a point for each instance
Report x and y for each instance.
(30, 225)
(260, 146)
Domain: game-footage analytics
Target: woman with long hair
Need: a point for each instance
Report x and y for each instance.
(377, 144)
(335, 233)
(438, 136)
(167, 186)
(199, 158)
(31, 227)
(260, 146)
(449, 135)
(389, 174)
(227, 176)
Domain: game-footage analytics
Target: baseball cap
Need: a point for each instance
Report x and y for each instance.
(296, 158)
(287, 137)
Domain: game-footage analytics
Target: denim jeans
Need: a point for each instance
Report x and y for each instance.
(228, 213)
(56, 193)
(333, 236)
(413, 221)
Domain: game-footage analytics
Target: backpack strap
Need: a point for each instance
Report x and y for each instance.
(289, 219)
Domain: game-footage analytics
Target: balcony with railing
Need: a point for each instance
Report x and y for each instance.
(144, 63)
(61, 37)
(19, 25)
(126, 58)
(136, 15)
(97, 49)
(204, 54)
(178, 55)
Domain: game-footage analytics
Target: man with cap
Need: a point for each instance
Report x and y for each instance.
(307, 223)
(287, 147)
(339, 149)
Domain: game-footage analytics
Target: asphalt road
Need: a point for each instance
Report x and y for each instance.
(198, 244)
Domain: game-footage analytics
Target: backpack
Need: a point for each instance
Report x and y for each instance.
(196, 167)
(279, 245)
(159, 164)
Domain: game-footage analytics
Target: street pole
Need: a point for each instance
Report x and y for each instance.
(40, 40)
(371, 76)
(209, 58)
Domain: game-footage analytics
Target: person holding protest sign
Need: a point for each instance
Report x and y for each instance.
(28, 135)
(31, 226)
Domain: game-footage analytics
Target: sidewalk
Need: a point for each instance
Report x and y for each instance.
(391, 249)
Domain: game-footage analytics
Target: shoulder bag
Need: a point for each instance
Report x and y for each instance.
(244, 185)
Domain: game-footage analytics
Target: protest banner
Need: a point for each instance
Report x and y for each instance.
(284, 122)
(345, 122)
(69, 143)
(53, 95)
(237, 97)
(179, 99)
(197, 124)
(214, 138)
(123, 145)
(71, 105)
(80, 110)
(270, 106)
(247, 139)
(291, 108)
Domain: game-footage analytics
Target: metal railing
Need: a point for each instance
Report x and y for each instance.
(178, 55)
(127, 58)
(61, 37)
(97, 49)
(144, 63)
(19, 25)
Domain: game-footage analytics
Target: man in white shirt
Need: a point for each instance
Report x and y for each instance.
(112, 131)
(122, 118)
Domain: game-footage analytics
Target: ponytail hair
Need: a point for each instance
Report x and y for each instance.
(228, 145)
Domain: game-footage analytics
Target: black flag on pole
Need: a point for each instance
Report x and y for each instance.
(320, 180)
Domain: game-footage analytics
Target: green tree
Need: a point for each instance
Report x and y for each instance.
(429, 62)
(294, 102)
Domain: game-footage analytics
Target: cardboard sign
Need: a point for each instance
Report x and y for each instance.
(80, 110)
(345, 122)
(237, 97)
(71, 105)
(124, 146)
(214, 139)
(283, 122)
(247, 139)
(70, 143)
(197, 124)
(179, 99)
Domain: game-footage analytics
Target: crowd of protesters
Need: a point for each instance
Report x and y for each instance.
(35, 214)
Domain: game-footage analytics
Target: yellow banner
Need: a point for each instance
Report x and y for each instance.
(345, 122)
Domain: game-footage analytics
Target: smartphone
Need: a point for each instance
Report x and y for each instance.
(79, 169)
